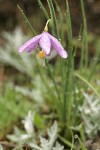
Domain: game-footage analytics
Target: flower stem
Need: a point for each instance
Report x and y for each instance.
(27, 21)
(55, 85)
(46, 26)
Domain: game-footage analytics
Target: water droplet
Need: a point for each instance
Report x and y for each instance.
(76, 136)
(79, 38)
(60, 40)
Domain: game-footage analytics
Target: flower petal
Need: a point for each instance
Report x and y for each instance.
(31, 44)
(45, 43)
(58, 47)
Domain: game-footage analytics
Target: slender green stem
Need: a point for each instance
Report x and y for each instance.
(43, 9)
(84, 53)
(44, 81)
(53, 16)
(61, 34)
(27, 21)
(55, 85)
(67, 99)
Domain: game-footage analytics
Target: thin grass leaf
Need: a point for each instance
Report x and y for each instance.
(27, 21)
(67, 99)
(60, 20)
(69, 26)
(43, 9)
(58, 102)
(84, 52)
(53, 17)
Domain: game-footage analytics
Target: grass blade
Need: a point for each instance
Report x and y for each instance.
(43, 9)
(84, 52)
(27, 21)
(60, 21)
(53, 17)
(67, 100)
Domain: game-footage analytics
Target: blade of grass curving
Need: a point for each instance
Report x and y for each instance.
(84, 52)
(53, 17)
(43, 9)
(27, 21)
(87, 83)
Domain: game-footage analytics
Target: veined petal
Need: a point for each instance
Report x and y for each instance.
(31, 44)
(45, 43)
(58, 47)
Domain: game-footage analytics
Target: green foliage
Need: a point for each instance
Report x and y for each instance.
(12, 108)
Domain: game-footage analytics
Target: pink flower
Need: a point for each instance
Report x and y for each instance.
(46, 42)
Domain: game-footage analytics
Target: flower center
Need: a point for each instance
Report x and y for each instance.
(41, 54)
